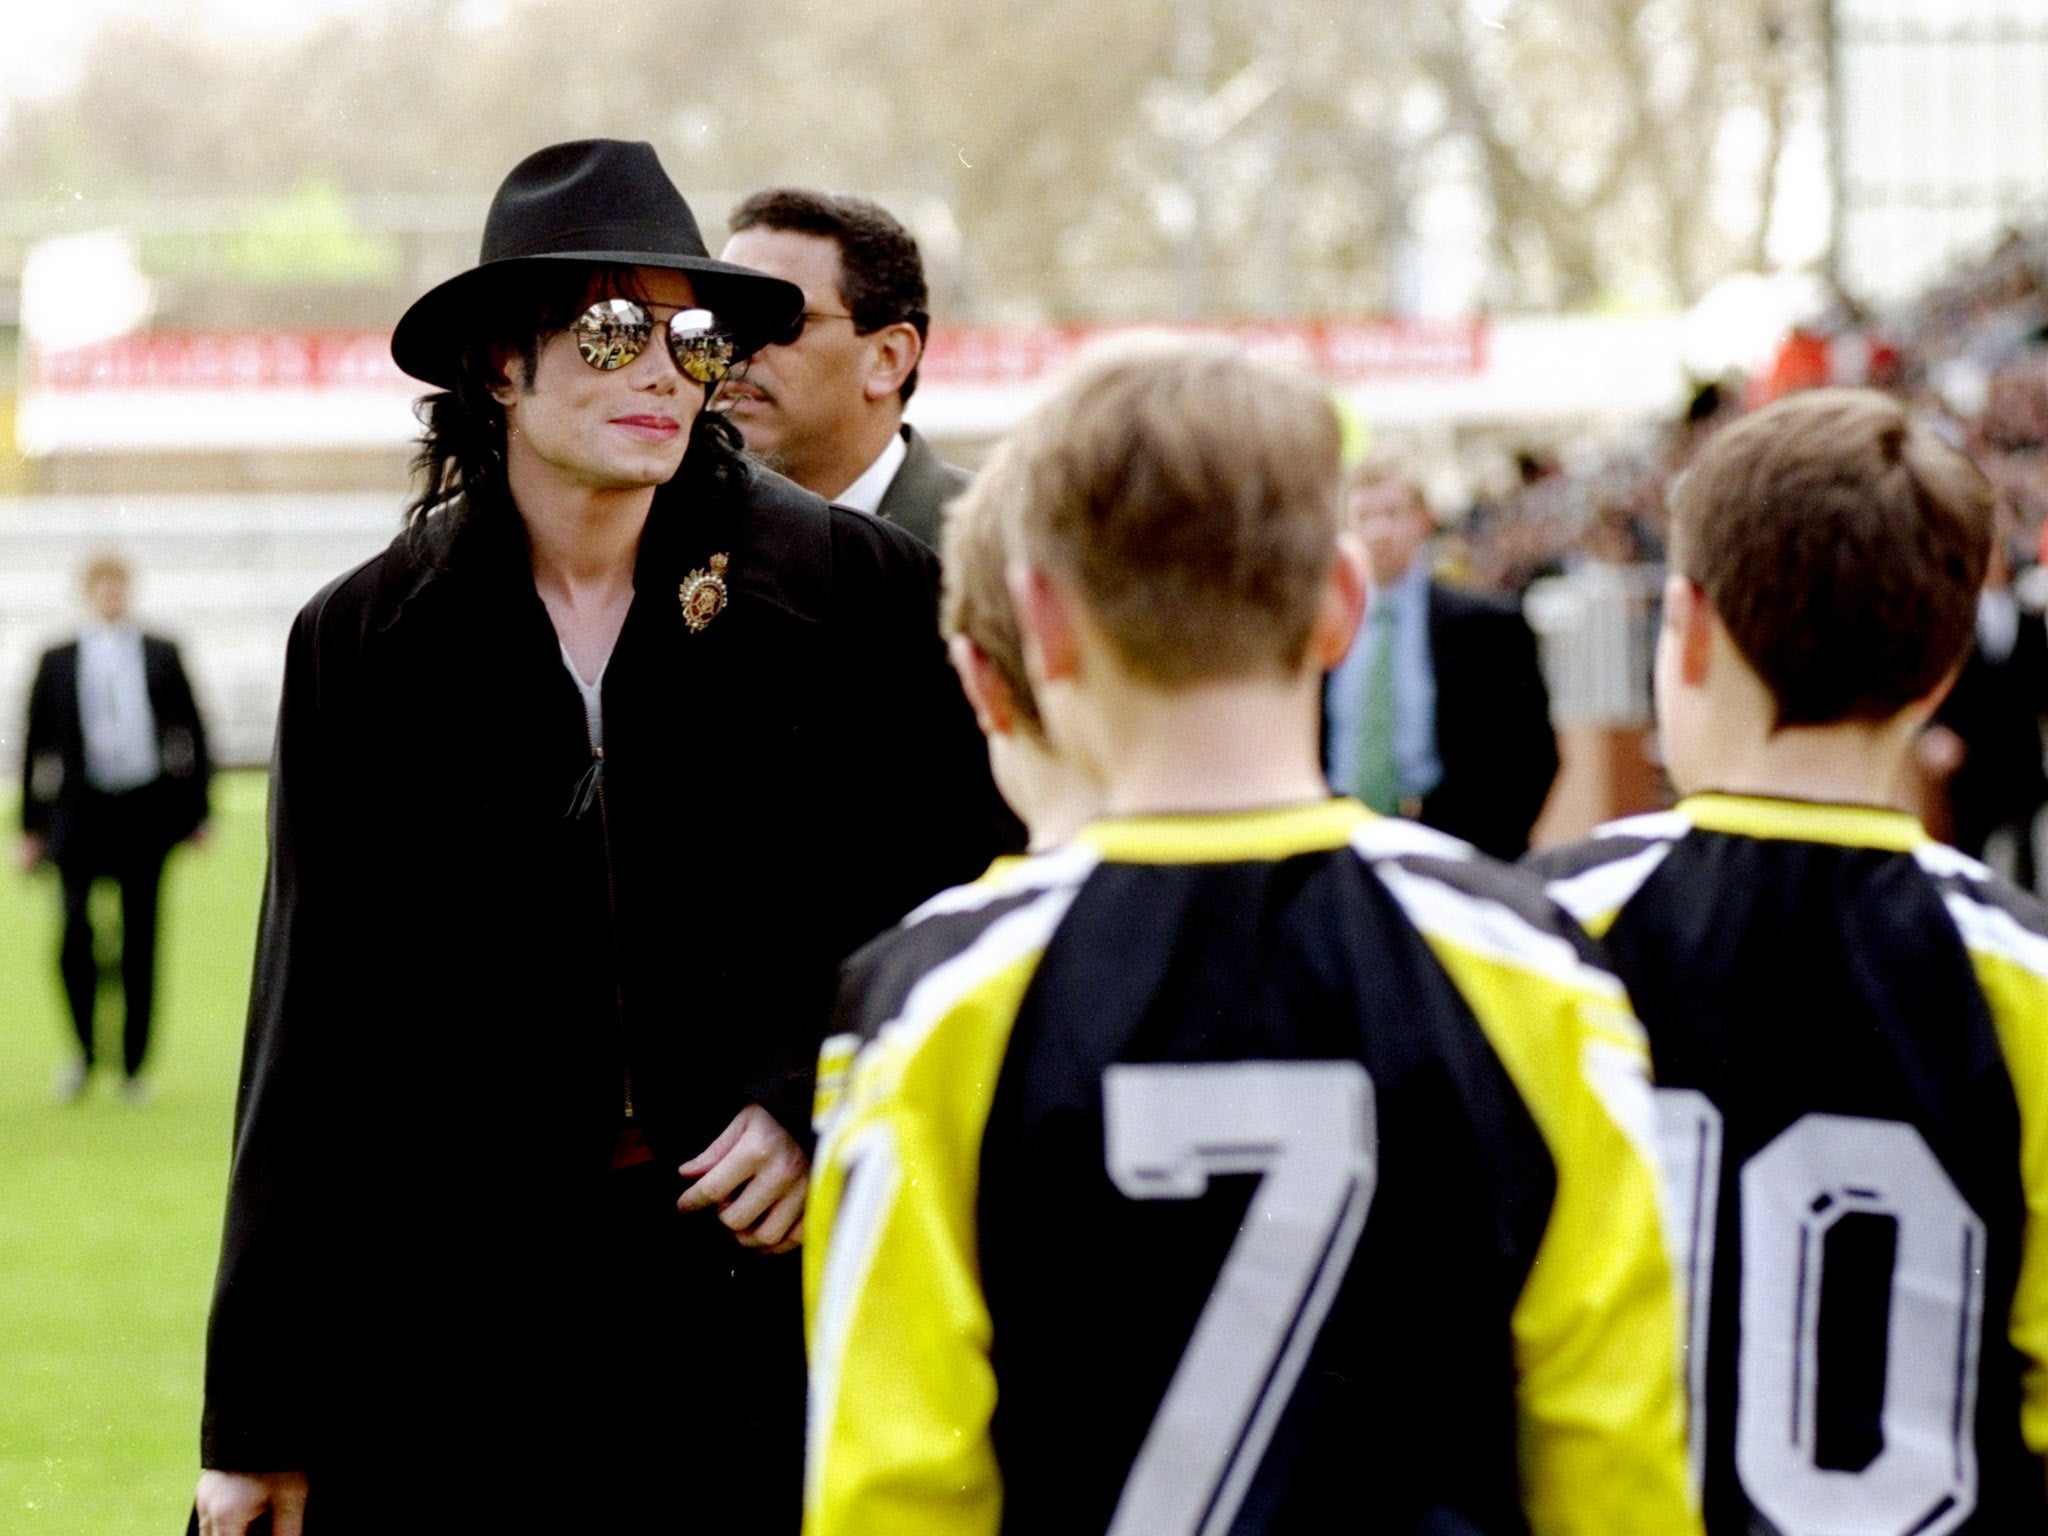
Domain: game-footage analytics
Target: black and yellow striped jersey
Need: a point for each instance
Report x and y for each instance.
(1270, 1172)
(1850, 1029)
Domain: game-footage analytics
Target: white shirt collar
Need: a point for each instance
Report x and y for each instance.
(866, 493)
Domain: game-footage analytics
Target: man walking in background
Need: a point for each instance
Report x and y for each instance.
(1439, 712)
(825, 406)
(114, 775)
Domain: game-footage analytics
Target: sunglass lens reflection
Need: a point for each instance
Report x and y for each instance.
(612, 332)
(701, 350)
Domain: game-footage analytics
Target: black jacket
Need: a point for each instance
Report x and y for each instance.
(1997, 707)
(470, 954)
(1493, 731)
(53, 784)
(924, 483)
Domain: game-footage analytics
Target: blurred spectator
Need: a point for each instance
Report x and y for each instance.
(825, 405)
(114, 775)
(1985, 740)
(1440, 711)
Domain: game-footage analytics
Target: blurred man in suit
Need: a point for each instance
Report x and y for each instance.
(1439, 712)
(825, 406)
(1985, 739)
(114, 775)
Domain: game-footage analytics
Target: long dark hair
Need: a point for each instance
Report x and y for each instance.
(459, 470)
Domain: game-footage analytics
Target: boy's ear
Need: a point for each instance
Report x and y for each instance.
(1346, 593)
(1690, 617)
(995, 707)
(1047, 621)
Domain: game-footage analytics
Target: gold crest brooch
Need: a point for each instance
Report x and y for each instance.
(703, 595)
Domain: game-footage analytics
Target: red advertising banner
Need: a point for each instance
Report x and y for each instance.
(1345, 351)
(225, 360)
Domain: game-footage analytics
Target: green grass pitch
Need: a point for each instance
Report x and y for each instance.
(110, 1211)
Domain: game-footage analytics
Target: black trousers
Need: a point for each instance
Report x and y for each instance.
(661, 1393)
(115, 842)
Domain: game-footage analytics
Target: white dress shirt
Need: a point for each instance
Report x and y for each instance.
(113, 709)
(866, 493)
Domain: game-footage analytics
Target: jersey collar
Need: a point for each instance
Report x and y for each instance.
(1805, 821)
(1225, 837)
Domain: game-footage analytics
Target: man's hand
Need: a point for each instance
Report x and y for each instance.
(228, 1501)
(757, 1176)
(33, 851)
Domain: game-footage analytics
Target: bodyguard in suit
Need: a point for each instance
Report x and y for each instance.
(825, 405)
(114, 775)
(1439, 712)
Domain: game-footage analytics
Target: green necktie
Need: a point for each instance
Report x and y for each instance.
(1379, 780)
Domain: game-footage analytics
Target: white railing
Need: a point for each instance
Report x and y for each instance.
(1596, 627)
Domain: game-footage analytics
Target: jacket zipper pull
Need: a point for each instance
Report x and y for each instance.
(584, 795)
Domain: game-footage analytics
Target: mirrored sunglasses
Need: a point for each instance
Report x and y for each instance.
(612, 332)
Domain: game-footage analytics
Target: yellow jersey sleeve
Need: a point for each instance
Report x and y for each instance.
(1596, 1330)
(897, 1327)
(2011, 962)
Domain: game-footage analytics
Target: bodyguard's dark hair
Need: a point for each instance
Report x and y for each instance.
(881, 275)
(459, 470)
(1843, 544)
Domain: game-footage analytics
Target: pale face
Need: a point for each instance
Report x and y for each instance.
(575, 427)
(1394, 525)
(801, 403)
(107, 594)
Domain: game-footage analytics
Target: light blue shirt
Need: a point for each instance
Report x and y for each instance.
(1415, 756)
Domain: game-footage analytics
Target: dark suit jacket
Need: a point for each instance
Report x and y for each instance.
(921, 489)
(1996, 707)
(53, 784)
(465, 956)
(1493, 732)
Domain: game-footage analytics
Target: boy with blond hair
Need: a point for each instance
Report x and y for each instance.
(1249, 1163)
(1849, 1021)
(1051, 795)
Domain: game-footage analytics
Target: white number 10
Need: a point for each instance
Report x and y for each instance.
(1795, 1191)
(1308, 1127)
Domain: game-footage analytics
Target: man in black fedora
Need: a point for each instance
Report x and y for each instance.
(562, 861)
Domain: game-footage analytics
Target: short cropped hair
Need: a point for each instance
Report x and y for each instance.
(881, 274)
(1190, 491)
(105, 563)
(1843, 543)
(974, 598)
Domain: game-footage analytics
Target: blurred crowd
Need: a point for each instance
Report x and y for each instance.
(1972, 353)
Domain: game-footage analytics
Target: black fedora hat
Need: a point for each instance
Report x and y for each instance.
(590, 200)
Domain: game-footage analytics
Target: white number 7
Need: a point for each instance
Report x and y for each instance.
(1308, 1127)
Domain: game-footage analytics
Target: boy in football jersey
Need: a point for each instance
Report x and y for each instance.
(1849, 1022)
(1051, 795)
(1249, 1163)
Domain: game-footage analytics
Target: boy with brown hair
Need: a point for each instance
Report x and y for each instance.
(1249, 1163)
(1051, 796)
(1849, 1021)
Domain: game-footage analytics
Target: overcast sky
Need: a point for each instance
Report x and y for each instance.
(41, 41)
